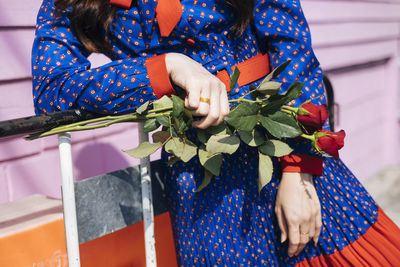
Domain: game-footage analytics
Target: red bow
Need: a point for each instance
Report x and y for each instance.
(168, 13)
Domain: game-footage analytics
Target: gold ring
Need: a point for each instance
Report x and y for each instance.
(304, 233)
(205, 100)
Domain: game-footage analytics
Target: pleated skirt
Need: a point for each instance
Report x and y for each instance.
(229, 223)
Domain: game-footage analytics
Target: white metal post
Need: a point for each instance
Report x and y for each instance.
(147, 204)
(68, 196)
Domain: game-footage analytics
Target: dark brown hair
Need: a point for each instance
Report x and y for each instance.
(91, 19)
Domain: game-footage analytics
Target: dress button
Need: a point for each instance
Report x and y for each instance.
(190, 42)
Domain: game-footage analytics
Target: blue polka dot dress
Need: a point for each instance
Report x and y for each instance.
(228, 223)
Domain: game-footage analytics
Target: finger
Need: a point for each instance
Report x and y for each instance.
(304, 237)
(294, 239)
(203, 107)
(194, 96)
(193, 93)
(202, 110)
(282, 224)
(224, 100)
(214, 112)
(312, 225)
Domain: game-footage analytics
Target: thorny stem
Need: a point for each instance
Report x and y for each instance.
(293, 109)
(103, 122)
(153, 113)
(309, 137)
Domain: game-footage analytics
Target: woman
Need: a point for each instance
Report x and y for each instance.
(194, 44)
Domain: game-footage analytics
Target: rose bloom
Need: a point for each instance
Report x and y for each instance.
(316, 117)
(330, 143)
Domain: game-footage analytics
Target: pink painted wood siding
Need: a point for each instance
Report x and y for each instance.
(345, 33)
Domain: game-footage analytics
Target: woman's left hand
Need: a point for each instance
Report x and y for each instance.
(298, 211)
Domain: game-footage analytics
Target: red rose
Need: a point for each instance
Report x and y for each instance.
(316, 117)
(330, 142)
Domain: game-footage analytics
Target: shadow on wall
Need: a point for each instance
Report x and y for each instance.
(98, 158)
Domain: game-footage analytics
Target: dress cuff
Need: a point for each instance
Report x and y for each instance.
(301, 163)
(158, 76)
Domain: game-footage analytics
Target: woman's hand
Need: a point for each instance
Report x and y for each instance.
(206, 94)
(298, 211)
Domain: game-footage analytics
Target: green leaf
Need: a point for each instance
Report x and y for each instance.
(183, 149)
(223, 144)
(275, 148)
(253, 138)
(202, 136)
(140, 110)
(216, 130)
(234, 77)
(212, 163)
(179, 106)
(163, 120)
(163, 102)
(172, 160)
(150, 125)
(143, 150)
(275, 102)
(160, 137)
(269, 88)
(265, 170)
(294, 91)
(243, 117)
(280, 125)
(185, 121)
(206, 180)
(257, 96)
(189, 151)
(278, 70)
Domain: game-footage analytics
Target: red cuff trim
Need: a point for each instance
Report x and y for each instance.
(122, 3)
(158, 76)
(301, 163)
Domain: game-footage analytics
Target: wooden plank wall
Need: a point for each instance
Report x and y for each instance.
(357, 43)
(345, 34)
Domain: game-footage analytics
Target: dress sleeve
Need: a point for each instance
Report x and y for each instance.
(282, 32)
(63, 79)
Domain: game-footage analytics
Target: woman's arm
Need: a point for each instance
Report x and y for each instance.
(283, 33)
(298, 211)
(62, 78)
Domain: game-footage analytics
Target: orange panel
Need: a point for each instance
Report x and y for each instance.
(45, 245)
(125, 247)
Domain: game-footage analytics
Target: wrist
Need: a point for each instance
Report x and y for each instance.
(297, 176)
(172, 60)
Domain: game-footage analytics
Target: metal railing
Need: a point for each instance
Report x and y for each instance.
(34, 124)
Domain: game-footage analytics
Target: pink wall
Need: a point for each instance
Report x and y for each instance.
(344, 33)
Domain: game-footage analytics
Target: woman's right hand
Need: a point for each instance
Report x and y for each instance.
(198, 83)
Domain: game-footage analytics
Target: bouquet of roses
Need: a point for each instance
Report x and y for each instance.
(260, 118)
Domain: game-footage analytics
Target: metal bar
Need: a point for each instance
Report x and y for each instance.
(68, 197)
(147, 203)
(44, 122)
